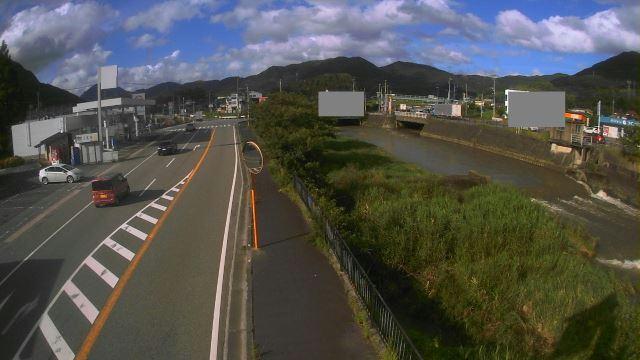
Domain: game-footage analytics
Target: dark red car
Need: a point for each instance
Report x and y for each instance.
(108, 190)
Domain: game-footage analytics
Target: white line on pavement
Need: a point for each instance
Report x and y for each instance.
(148, 218)
(133, 231)
(170, 162)
(42, 244)
(195, 147)
(137, 166)
(167, 197)
(123, 251)
(82, 302)
(158, 206)
(60, 347)
(187, 143)
(213, 352)
(148, 186)
(106, 275)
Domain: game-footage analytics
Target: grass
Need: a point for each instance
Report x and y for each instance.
(475, 271)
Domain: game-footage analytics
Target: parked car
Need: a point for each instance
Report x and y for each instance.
(167, 147)
(108, 190)
(190, 127)
(597, 138)
(591, 130)
(59, 173)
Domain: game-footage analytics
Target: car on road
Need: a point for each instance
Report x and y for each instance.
(108, 190)
(167, 148)
(59, 173)
(190, 127)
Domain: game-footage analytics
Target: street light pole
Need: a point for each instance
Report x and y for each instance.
(99, 106)
(494, 96)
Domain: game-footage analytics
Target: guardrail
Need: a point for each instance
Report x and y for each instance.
(380, 314)
(450, 118)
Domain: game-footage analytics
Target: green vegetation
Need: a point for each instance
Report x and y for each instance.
(631, 141)
(11, 161)
(472, 270)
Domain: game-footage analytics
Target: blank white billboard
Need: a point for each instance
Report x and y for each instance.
(341, 103)
(536, 109)
(109, 77)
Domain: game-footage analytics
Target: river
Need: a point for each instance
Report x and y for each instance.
(613, 224)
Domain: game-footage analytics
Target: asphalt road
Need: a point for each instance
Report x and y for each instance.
(146, 279)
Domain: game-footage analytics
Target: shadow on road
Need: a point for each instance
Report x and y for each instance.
(23, 299)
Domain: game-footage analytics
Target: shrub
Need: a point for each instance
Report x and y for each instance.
(11, 161)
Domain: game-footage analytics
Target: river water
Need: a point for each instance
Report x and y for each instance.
(615, 225)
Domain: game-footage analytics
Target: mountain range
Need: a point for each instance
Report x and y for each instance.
(605, 79)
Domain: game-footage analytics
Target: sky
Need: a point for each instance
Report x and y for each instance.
(64, 42)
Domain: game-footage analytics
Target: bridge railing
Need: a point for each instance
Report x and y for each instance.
(379, 312)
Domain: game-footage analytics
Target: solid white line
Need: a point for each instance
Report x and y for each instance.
(187, 143)
(213, 352)
(148, 218)
(123, 251)
(225, 348)
(42, 244)
(133, 231)
(60, 347)
(137, 166)
(158, 206)
(174, 189)
(148, 186)
(82, 302)
(167, 197)
(170, 162)
(102, 271)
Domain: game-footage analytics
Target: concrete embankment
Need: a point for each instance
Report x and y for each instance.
(603, 171)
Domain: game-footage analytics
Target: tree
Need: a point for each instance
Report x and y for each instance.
(4, 50)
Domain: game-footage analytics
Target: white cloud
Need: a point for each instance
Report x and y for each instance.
(609, 31)
(162, 16)
(536, 72)
(146, 41)
(254, 58)
(443, 55)
(39, 36)
(81, 69)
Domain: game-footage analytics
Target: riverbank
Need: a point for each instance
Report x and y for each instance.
(472, 269)
(604, 171)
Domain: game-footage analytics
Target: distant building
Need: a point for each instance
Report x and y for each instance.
(506, 99)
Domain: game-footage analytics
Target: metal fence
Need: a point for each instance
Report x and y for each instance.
(388, 326)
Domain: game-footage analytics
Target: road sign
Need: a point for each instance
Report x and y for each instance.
(109, 77)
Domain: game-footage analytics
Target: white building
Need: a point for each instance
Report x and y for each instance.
(506, 99)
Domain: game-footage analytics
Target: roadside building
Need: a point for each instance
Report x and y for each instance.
(506, 99)
(613, 127)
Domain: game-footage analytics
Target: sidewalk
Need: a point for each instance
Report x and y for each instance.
(300, 306)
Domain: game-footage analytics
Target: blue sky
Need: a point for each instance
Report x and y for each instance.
(64, 42)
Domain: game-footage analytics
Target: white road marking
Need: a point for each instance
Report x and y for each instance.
(158, 206)
(148, 218)
(195, 147)
(187, 143)
(133, 231)
(170, 162)
(123, 251)
(102, 271)
(52, 332)
(174, 189)
(82, 302)
(213, 352)
(137, 166)
(148, 186)
(42, 244)
(60, 347)
(167, 197)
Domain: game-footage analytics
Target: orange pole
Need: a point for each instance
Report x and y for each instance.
(255, 219)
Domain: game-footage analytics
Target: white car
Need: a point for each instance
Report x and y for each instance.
(591, 130)
(59, 173)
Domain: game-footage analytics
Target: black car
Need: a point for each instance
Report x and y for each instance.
(190, 127)
(167, 147)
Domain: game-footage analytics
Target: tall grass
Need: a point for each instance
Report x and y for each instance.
(500, 266)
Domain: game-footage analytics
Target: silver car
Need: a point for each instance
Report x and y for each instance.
(59, 173)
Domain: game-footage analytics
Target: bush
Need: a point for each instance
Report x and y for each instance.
(11, 161)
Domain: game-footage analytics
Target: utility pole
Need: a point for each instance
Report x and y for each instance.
(280, 85)
(613, 106)
(353, 84)
(494, 96)
(248, 101)
(449, 92)
(599, 128)
(466, 93)
(99, 106)
(238, 96)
